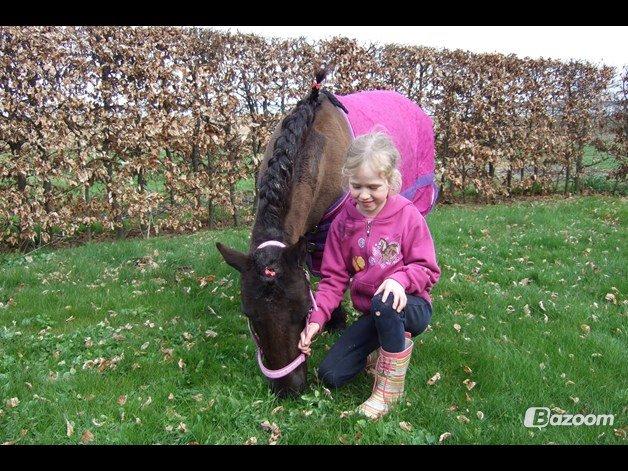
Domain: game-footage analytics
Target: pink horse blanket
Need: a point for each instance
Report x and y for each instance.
(411, 130)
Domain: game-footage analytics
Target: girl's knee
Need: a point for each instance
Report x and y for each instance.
(381, 307)
(328, 377)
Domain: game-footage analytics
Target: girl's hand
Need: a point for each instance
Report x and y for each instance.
(306, 337)
(391, 286)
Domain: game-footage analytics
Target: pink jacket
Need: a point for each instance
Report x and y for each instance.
(395, 244)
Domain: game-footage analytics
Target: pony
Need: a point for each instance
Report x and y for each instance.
(298, 185)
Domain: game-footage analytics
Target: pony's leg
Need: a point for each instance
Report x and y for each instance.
(338, 320)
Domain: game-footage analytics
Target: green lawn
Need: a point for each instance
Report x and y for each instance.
(122, 342)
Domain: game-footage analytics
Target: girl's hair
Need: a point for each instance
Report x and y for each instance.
(377, 150)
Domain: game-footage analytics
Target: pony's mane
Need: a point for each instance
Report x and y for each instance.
(276, 183)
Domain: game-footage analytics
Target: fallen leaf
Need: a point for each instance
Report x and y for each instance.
(203, 281)
(346, 413)
(542, 306)
(469, 384)
(276, 410)
(463, 419)
(405, 426)
(251, 441)
(480, 415)
(585, 328)
(611, 297)
(467, 370)
(210, 334)
(87, 437)
(275, 431)
(13, 402)
(621, 432)
(575, 400)
(457, 327)
(182, 427)
(181, 363)
(122, 400)
(444, 437)
(433, 379)
(170, 397)
(148, 402)
(69, 428)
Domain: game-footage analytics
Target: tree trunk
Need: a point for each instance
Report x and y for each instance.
(117, 218)
(195, 148)
(567, 175)
(21, 182)
(509, 182)
(89, 226)
(141, 183)
(576, 180)
(210, 214)
(232, 200)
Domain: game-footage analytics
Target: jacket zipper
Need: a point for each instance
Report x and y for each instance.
(366, 244)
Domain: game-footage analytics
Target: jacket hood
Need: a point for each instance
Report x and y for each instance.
(393, 205)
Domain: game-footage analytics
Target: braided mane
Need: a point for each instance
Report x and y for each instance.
(276, 184)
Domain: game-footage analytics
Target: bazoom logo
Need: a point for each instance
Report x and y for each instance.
(542, 417)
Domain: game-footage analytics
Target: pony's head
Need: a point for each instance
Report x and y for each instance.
(276, 301)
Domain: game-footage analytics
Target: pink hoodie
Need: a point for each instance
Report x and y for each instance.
(395, 244)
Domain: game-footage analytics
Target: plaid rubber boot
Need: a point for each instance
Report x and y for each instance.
(371, 360)
(390, 376)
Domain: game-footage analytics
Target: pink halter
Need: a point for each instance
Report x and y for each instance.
(275, 374)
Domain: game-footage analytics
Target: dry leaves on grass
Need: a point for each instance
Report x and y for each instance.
(13, 402)
(275, 431)
(444, 437)
(433, 379)
(463, 419)
(610, 297)
(205, 280)
(69, 428)
(407, 426)
(87, 437)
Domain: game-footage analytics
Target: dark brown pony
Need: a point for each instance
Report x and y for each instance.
(299, 178)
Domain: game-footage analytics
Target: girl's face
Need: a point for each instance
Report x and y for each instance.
(369, 189)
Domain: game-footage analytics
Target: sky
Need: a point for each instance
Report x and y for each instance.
(597, 44)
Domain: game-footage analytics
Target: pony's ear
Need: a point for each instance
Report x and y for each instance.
(295, 254)
(237, 260)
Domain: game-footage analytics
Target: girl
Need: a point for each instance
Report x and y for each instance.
(381, 247)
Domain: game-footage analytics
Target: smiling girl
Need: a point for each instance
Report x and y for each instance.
(381, 247)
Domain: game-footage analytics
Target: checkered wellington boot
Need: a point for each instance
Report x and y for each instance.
(371, 360)
(390, 376)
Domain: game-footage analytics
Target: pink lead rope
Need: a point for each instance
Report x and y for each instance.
(275, 374)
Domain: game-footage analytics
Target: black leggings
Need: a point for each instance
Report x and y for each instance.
(348, 355)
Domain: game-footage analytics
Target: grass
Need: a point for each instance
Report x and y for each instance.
(123, 340)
